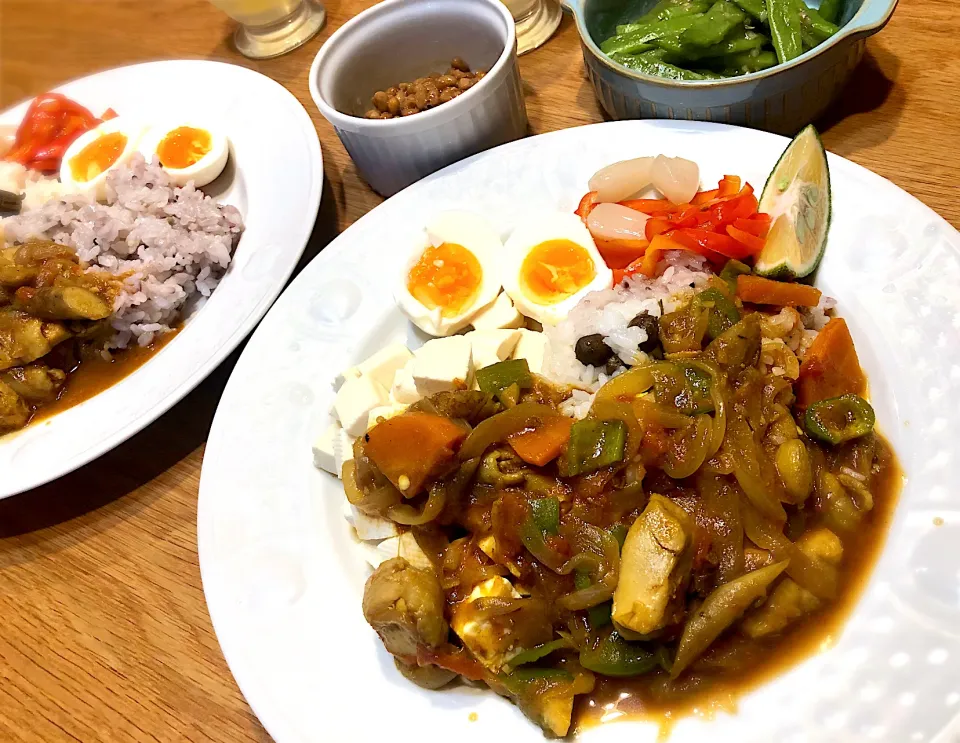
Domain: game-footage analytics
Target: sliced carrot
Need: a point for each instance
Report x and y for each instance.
(705, 197)
(729, 186)
(830, 367)
(411, 447)
(543, 444)
(758, 290)
(620, 253)
(757, 225)
(753, 243)
(661, 243)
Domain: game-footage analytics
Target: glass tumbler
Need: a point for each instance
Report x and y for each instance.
(536, 21)
(269, 28)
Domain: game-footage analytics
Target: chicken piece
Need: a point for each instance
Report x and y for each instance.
(426, 677)
(405, 607)
(786, 326)
(36, 383)
(62, 303)
(14, 412)
(24, 339)
(14, 273)
(655, 563)
(789, 601)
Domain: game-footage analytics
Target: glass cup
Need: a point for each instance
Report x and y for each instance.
(269, 28)
(536, 21)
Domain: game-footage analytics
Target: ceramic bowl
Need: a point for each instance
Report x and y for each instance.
(401, 40)
(782, 99)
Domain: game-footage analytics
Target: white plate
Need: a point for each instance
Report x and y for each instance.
(284, 580)
(274, 178)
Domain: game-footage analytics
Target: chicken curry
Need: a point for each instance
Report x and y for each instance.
(709, 508)
(54, 320)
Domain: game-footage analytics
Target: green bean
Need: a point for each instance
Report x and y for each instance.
(747, 62)
(743, 40)
(714, 25)
(664, 11)
(754, 8)
(829, 10)
(813, 23)
(784, 19)
(808, 41)
(640, 40)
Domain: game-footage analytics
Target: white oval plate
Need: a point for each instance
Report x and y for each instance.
(283, 578)
(274, 178)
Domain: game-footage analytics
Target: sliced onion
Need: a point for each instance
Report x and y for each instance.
(620, 180)
(677, 179)
(616, 222)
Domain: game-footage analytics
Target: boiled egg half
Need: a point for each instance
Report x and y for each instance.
(551, 263)
(452, 274)
(187, 152)
(90, 158)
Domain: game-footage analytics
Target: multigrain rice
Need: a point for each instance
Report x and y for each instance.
(172, 244)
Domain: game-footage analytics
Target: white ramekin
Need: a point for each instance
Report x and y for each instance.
(399, 41)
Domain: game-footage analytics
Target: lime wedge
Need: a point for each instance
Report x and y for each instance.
(797, 197)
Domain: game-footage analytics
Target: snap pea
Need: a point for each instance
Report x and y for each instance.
(595, 444)
(784, 20)
(814, 24)
(640, 39)
(665, 10)
(714, 25)
(829, 10)
(754, 8)
(839, 419)
(746, 62)
(652, 63)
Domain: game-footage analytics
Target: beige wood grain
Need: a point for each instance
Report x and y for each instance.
(104, 634)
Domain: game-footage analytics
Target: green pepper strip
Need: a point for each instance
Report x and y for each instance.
(731, 270)
(614, 656)
(723, 313)
(839, 419)
(544, 519)
(545, 514)
(536, 653)
(497, 377)
(595, 444)
(520, 679)
(784, 19)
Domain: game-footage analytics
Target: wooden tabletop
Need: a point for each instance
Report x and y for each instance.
(104, 634)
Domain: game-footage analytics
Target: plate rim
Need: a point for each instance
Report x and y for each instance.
(280, 729)
(246, 324)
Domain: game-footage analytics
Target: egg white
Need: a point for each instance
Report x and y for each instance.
(475, 234)
(534, 231)
(96, 187)
(202, 172)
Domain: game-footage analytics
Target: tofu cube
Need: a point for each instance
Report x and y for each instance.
(443, 365)
(532, 346)
(404, 389)
(492, 346)
(354, 401)
(409, 550)
(324, 450)
(372, 527)
(481, 637)
(499, 314)
(384, 364)
(349, 373)
(342, 451)
(385, 412)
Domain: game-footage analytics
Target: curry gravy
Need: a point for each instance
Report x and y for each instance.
(96, 374)
(708, 692)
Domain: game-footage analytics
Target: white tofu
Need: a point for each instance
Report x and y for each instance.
(499, 314)
(532, 346)
(352, 372)
(372, 527)
(404, 389)
(479, 636)
(342, 451)
(410, 551)
(492, 346)
(355, 399)
(386, 412)
(324, 450)
(384, 364)
(443, 365)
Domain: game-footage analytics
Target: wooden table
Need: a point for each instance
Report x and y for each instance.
(104, 634)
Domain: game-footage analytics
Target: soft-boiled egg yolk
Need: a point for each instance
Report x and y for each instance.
(97, 156)
(555, 270)
(447, 276)
(183, 147)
